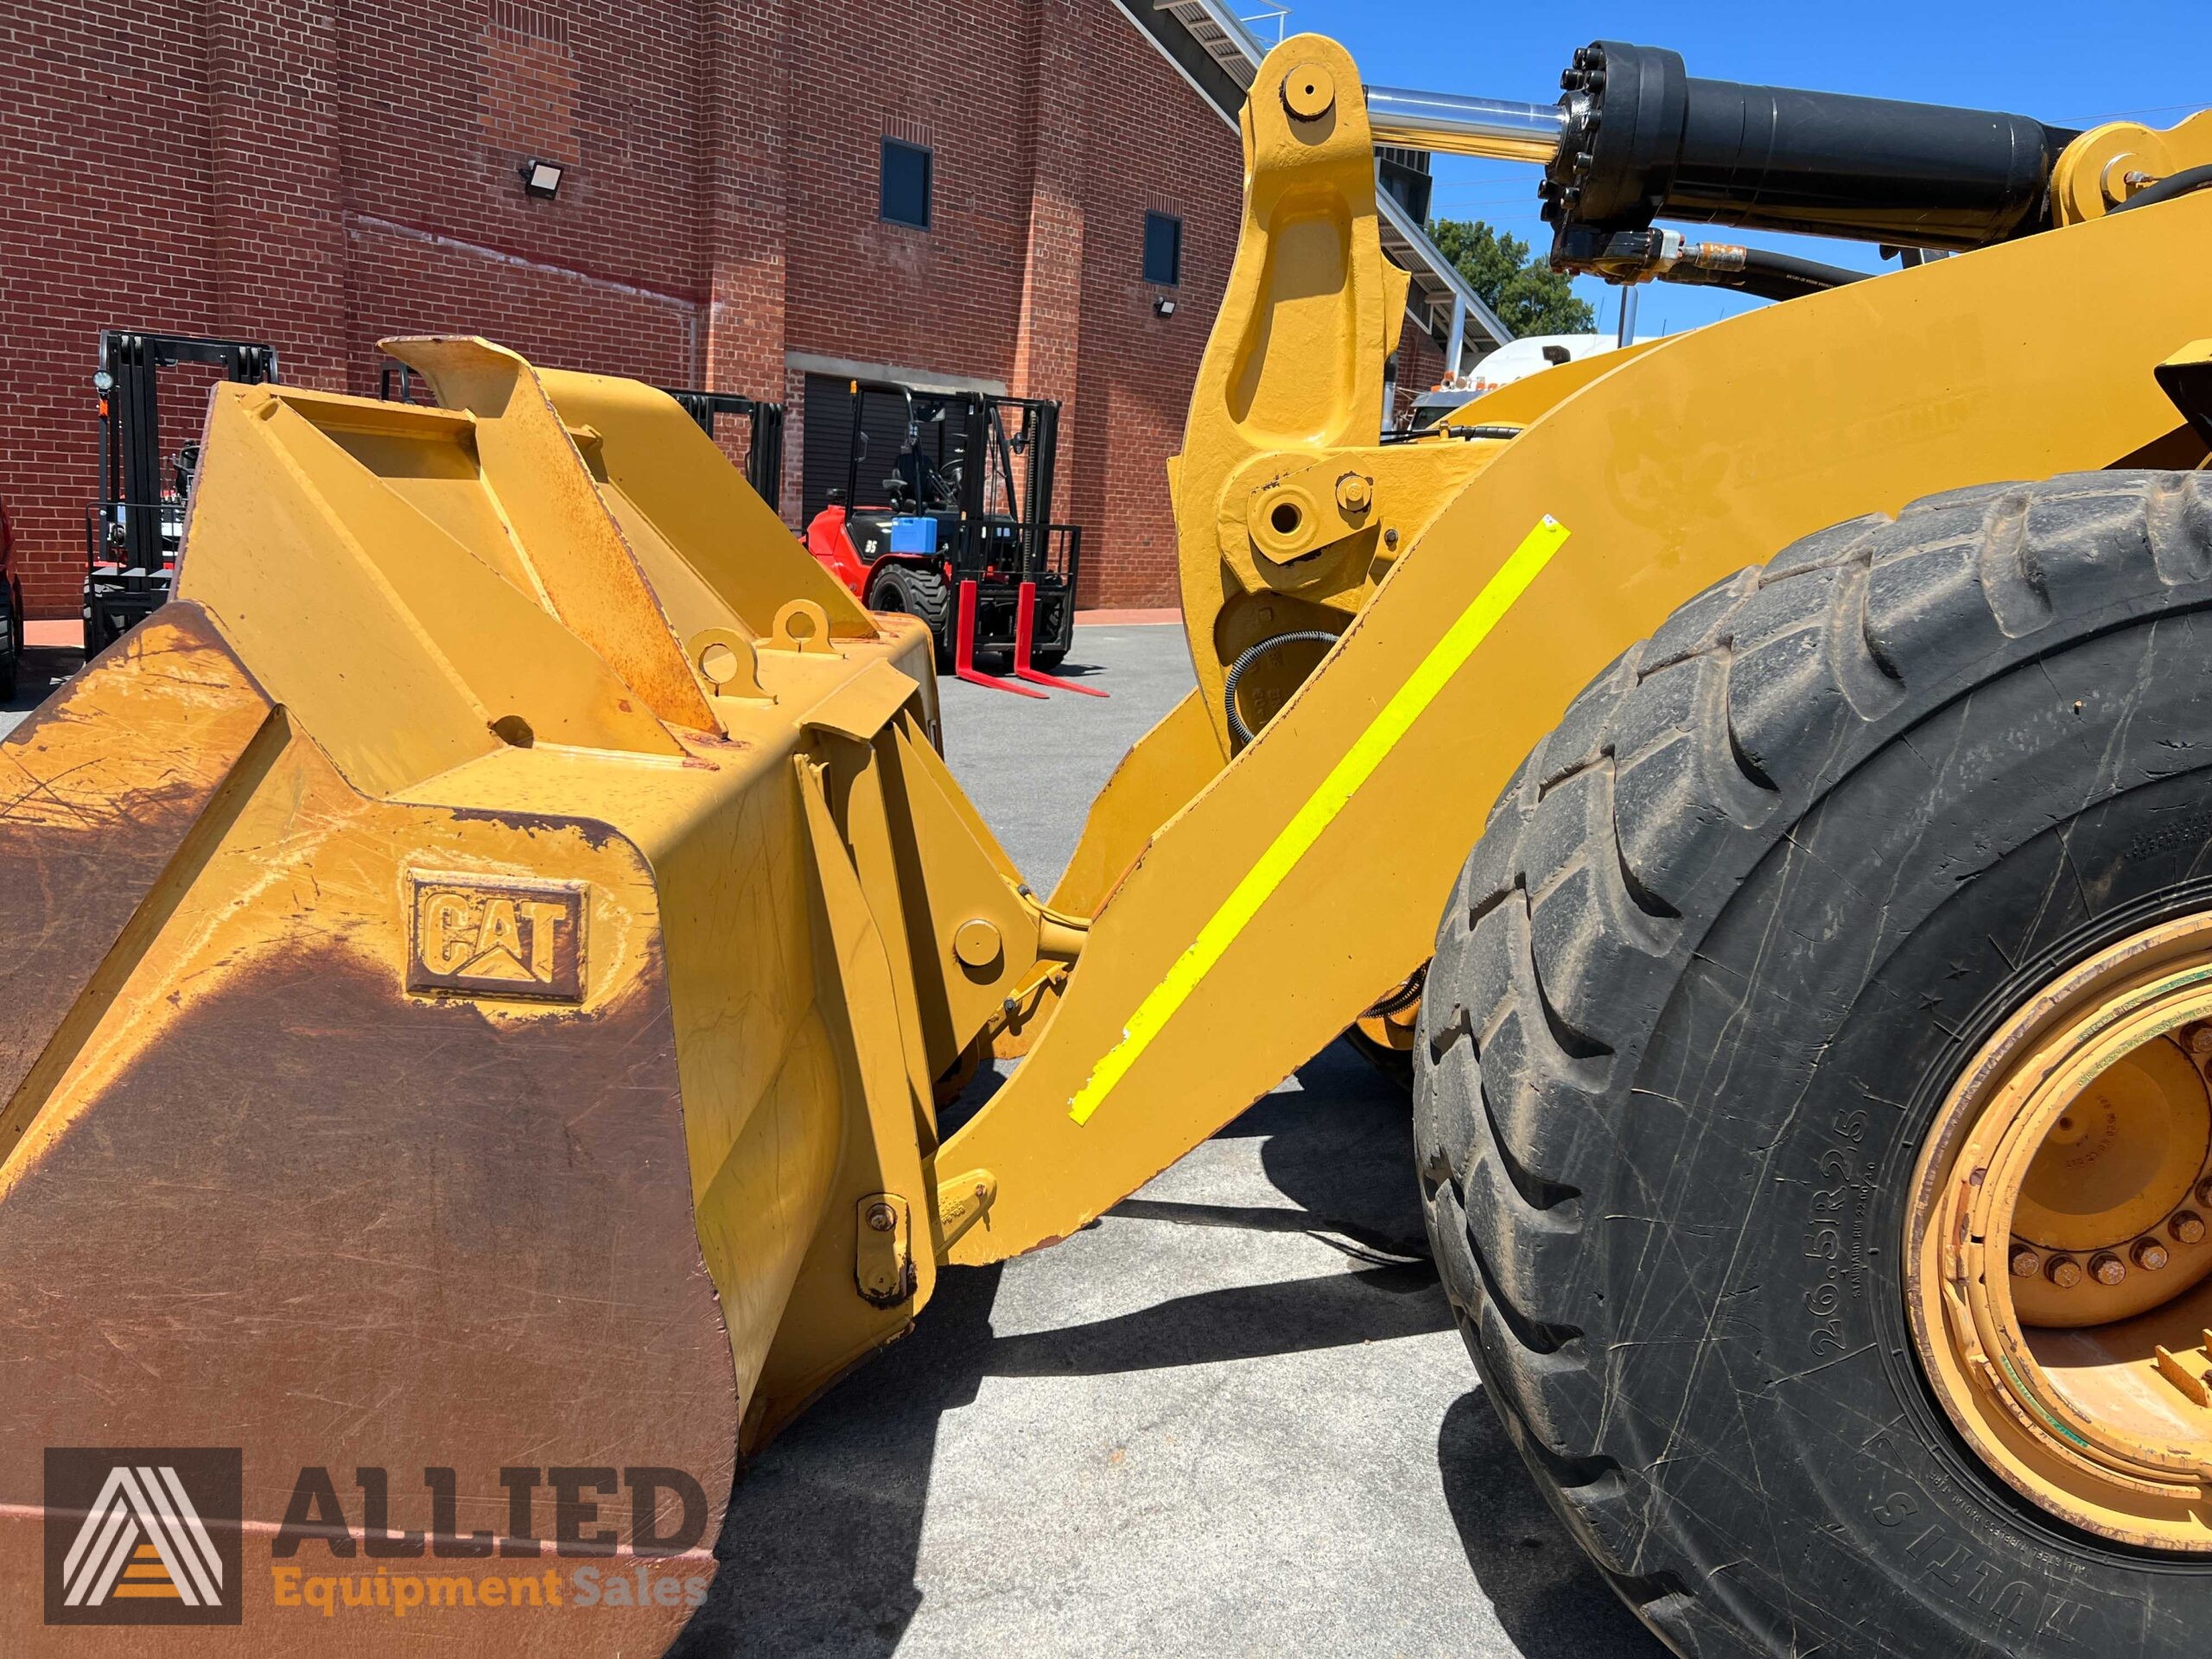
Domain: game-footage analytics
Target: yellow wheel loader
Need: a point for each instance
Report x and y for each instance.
(485, 963)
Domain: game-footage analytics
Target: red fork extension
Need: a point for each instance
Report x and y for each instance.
(1025, 632)
(963, 649)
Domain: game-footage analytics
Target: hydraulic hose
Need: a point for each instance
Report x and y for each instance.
(1252, 654)
(1768, 276)
(2174, 184)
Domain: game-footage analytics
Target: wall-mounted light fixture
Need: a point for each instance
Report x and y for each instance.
(1163, 308)
(541, 179)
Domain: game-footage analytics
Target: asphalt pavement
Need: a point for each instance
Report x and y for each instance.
(1230, 1418)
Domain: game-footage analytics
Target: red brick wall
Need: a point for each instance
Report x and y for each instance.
(443, 103)
(1138, 367)
(107, 229)
(318, 174)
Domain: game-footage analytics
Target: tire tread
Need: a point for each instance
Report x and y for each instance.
(1615, 846)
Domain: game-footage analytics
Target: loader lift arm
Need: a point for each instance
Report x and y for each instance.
(1727, 445)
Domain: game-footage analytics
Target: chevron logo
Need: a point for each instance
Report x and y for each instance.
(177, 1563)
(156, 1544)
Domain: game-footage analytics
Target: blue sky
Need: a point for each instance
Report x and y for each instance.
(2059, 64)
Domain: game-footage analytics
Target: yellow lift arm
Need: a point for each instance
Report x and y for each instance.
(1476, 585)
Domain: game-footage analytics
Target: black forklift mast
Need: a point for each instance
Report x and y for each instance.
(133, 531)
(764, 450)
(128, 382)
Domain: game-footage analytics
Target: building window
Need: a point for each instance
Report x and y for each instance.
(1163, 249)
(905, 184)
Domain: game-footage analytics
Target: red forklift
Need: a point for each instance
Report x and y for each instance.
(954, 525)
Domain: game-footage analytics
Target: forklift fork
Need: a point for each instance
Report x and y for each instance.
(963, 649)
(1025, 632)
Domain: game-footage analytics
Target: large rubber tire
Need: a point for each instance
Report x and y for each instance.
(913, 590)
(1730, 935)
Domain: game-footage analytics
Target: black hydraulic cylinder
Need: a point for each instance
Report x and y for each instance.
(1643, 140)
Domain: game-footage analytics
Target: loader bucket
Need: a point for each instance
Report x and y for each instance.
(427, 1072)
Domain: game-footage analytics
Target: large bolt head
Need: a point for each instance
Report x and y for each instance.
(2149, 1253)
(882, 1217)
(2063, 1271)
(2107, 1268)
(2025, 1262)
(2187, 1227)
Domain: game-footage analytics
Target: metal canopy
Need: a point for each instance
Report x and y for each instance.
(1221, 33)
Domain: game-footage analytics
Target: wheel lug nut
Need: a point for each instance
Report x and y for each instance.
(2149, 1253)
(2107, 1268)
(2187, 1228)
(2200, 1040)
(2025, 1262)
(2063, 1271)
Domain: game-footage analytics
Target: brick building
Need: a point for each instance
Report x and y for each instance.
(318, 174)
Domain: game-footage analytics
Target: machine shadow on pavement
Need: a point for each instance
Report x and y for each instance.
(820, 1550)
(1544, 1592)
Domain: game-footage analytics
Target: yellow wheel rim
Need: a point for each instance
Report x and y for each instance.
(2058, 1246)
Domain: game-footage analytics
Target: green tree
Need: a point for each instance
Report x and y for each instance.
(1528, 294)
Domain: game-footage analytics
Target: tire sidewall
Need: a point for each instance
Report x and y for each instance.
(1758, 1354)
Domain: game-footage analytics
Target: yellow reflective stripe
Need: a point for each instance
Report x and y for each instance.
(1444, 659)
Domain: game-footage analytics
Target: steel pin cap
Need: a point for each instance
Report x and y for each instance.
(1309, 91)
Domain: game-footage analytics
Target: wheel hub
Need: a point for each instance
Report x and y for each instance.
(2058, 1266)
